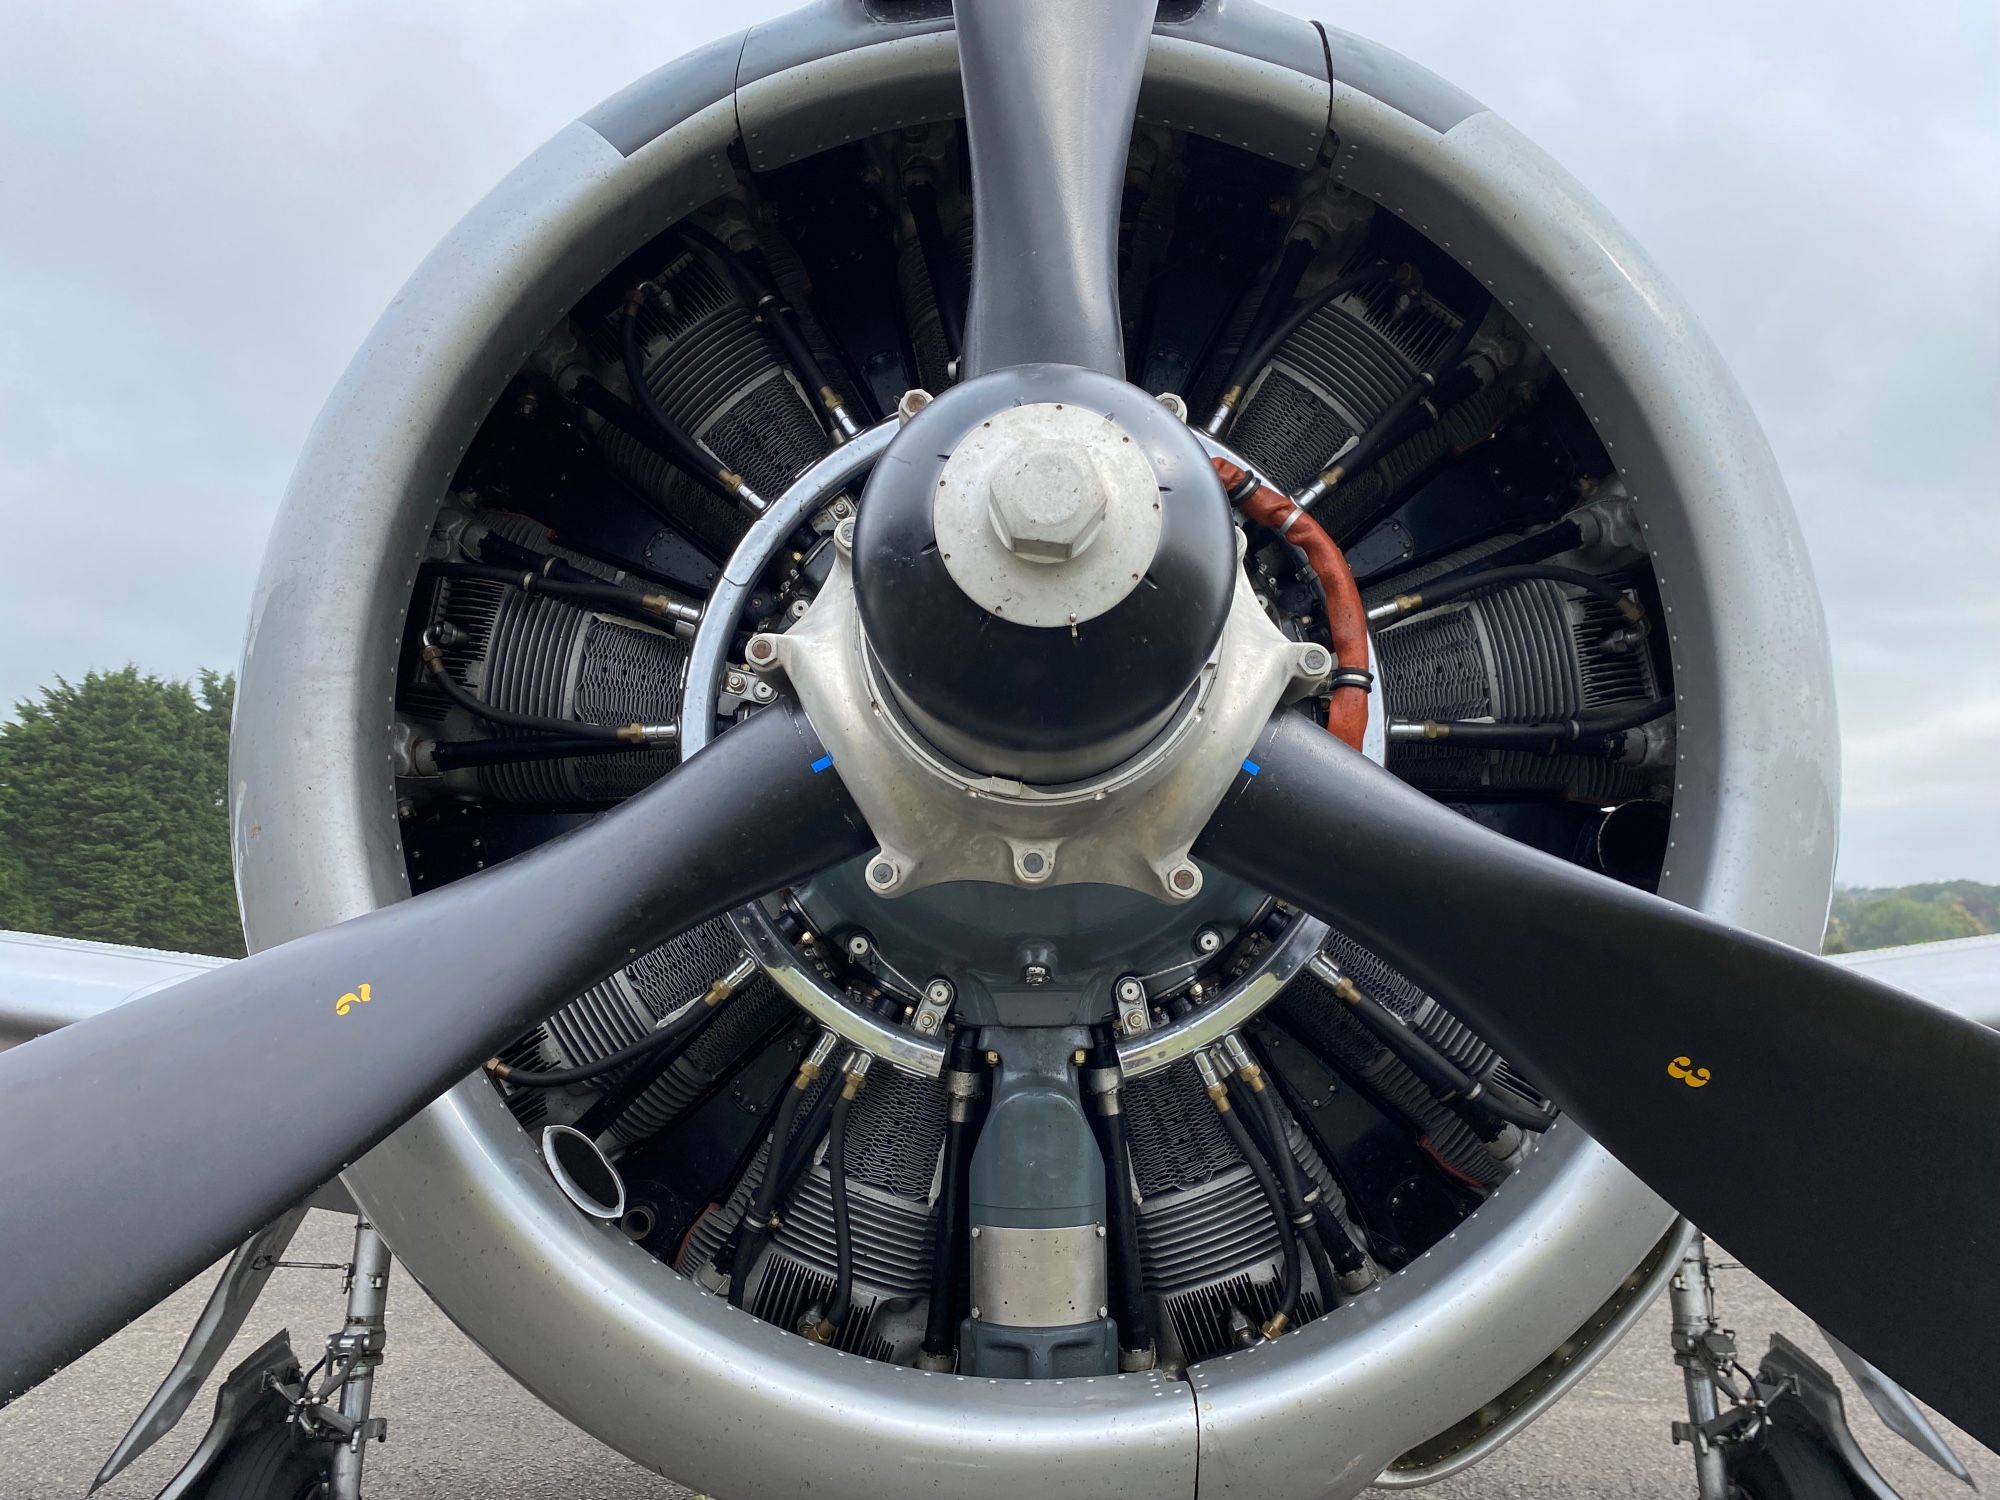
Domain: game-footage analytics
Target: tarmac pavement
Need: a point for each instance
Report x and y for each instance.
(459, 1427)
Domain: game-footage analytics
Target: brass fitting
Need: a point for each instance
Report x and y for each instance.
(821, 1332)
(730, 983)
(854, 1073)
(648, 734)
(1276, 1326)
(1212, 1081)
(1631, 609)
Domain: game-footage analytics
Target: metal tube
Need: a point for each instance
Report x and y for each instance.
(1691, 1299)
(361, 1336)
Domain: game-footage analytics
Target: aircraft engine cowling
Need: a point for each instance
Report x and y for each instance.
(615, 438)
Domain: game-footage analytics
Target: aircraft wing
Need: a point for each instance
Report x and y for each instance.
(48, 982)
(1962, 975)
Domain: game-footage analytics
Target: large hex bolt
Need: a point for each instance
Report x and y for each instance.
(1047, 502)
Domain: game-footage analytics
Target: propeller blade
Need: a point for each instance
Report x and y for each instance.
(1834, 1133)
(1050, 92)
(143, 1143)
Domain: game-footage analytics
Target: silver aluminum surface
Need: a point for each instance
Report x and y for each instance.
(1060, 563)
(914, 1053)
(600, 1329)
(1038, 1278)
(937, 823)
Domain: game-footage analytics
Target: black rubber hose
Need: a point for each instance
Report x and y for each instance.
(619, 1097)
(1440, 1074)
(940, 1315)
(595, 594)
(843, 1229)
(1135, 1325)
(1444, 591)
(1331, 1234)
(1292, 263)
(1259, 354)
(1322, 1264)
(1563, 536)
(1288, 1241)
(696, 459)
(1292, 1180)
(1603, 737)
(507, 553)
(922, 201)
(617, 412)
(812, 1130)
(740, 1250)
(1418, 405)
(683, 1029)
(575, 729)
(454, 755)
(759, 291)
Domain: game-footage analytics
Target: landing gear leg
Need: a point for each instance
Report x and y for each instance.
(359, 1343)
(1700, 1345)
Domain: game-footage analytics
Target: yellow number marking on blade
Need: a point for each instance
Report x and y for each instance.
(1684, 1069)
(351, 999)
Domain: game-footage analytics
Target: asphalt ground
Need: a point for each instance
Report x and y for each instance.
(459, 1427)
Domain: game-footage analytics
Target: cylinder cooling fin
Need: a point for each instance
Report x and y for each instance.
(1269, 1208)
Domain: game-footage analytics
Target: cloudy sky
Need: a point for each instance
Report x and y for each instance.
(204, 205)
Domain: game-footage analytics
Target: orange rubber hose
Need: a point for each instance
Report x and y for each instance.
(1346, 619)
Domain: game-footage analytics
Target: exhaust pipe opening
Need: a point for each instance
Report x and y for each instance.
(1631, 843)
(583, 1172)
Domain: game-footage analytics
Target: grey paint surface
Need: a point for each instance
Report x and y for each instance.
(580, 1317)
(459, 1427)
(1048, 112)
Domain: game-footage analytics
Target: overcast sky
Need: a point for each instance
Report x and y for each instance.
(204, 206)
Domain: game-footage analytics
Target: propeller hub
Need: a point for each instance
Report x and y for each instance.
(1043, 561)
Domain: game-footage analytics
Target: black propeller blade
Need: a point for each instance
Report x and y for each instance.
(1050, 91)
(143, 1143)
(1838, 1135)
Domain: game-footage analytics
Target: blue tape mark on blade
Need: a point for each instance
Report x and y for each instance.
(821, 764)
(1251, 767)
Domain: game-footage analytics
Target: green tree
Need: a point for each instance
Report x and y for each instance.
(1897, 915)
(114, 820)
